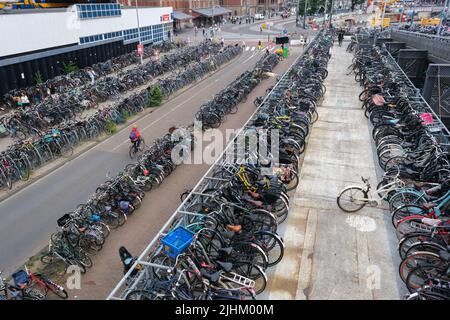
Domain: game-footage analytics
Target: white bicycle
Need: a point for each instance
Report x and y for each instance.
(354, 198)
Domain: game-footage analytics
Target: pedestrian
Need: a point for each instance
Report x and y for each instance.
(91, 74)
(24, 100)
(259, 45)
(195, 31)
(260, 29)
(243, 44)
(341, 36)
(222, 42)
(203, 31)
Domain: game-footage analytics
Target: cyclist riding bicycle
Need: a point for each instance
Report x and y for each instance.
(135, 136)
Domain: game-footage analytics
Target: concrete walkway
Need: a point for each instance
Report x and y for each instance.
(331, 254)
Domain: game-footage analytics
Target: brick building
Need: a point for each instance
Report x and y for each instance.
(237, 7)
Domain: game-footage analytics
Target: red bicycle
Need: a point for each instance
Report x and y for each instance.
(24, 279)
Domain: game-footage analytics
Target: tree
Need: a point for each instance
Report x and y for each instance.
(156, 96)
(38, 79)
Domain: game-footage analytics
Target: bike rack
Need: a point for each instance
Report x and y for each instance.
(128, 282)
(444, 133)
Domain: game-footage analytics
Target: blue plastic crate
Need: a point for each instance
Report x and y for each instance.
(176, 241)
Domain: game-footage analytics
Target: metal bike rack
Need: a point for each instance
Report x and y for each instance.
(128, 282)
(444, 133)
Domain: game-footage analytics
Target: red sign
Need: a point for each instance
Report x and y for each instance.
(165, 17)
(140, 49)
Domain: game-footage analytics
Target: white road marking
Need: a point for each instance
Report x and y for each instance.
(247, 48)
(253, 48)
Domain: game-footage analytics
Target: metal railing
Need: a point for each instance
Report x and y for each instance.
(129, 282)
(443, 133)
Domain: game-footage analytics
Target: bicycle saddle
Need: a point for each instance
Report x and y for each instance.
(444, 255)
(226, 251)
(225, 266)
(212, 277)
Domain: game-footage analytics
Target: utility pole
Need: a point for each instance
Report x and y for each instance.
(304, 15)
(382, 17)
(413, 13)
(139, 30)
(331, 11)
(443, 16)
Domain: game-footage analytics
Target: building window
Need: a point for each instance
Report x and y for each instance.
(91, 11)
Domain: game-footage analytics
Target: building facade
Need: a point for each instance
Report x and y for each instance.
(43, 40)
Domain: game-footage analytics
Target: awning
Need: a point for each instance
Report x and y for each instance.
(178, 15)
(212, 12)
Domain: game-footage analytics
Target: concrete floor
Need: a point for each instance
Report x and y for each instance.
(331, 254)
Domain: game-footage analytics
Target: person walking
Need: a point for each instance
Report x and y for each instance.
(340, 36)
(203, 31)
(222, 42)
(195, 31)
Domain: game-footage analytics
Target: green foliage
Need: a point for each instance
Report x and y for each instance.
(38, 79)
(111, 127)
(156, 96)
(69, 67)
(313, 6)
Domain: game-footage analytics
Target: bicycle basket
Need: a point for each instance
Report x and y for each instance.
(20, 277)
(63, 220)
(177, 241)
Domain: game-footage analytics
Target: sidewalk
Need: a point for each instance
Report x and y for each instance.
(331, 254)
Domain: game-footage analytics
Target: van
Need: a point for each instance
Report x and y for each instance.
(259, 16)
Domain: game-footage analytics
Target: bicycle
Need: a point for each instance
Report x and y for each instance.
(25, 278)
(360, 197)
(134, 149)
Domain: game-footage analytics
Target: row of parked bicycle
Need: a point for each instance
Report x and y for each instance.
(212, 113)
(17, 162)
(416, 182)
(84, 231)
(58, 108)
(432, 30)
(224, 236)
(75, 79)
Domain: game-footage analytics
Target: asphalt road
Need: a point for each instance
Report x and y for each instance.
(29, 216)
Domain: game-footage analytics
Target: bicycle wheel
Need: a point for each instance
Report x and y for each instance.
(406, 211)
(273, 246)
(139, 295)
(53, 287)
(415, 260)
(133, 151)
(352, 199)
(420, 275)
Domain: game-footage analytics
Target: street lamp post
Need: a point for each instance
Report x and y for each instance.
(139, 30)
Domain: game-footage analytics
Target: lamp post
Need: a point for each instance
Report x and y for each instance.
(304, 15)
(139, 30)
